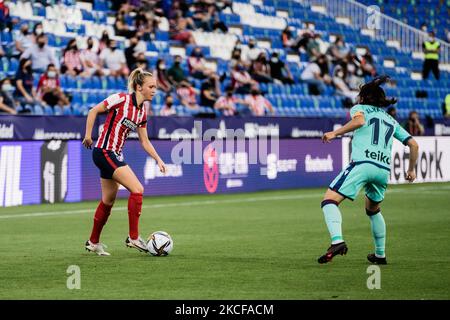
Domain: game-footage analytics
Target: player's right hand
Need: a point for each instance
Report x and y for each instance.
(87, 142)
(411, 176)
(327, 137)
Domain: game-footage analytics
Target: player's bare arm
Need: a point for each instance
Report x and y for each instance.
(356, 123)
(413, 155)
(92, 115)
(148, 147)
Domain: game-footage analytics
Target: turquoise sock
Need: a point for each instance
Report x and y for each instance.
(378, 227)
(333, 220)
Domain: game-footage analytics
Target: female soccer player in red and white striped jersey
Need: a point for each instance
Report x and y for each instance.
(126, 112)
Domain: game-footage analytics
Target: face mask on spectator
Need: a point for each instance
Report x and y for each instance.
(169, 103)
(7, 87)
(51, 74)
(113, 48)
(240, 68)
(274, 59)
(41, 44)
(254, 92)
(39, 31)
(197, 54)
(25, 31)
(74, 47)
(251, 45)
(340, 74)
(90, 45)
(177, 63)
(28, 68)
(162, 66)
(229, 94)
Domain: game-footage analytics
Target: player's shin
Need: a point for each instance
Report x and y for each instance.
(333, 219)
(134, 212)
(101, 216)
(378, 227)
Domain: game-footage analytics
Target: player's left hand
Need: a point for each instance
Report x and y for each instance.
(328, 136)
(162, 166)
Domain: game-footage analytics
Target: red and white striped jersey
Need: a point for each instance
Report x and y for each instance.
(123, 116)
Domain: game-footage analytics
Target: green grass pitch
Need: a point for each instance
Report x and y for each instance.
(244, 246)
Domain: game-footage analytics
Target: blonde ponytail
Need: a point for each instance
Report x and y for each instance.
(137, 77)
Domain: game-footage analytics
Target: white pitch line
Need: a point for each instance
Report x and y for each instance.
(163, 205)
(211, 202)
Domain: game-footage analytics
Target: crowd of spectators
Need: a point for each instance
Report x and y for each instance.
(331, 67)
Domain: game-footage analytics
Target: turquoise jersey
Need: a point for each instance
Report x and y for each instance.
(373, 141)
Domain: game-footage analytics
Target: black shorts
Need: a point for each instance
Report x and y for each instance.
(107, 161)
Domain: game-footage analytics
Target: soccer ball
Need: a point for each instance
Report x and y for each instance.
(159, 243)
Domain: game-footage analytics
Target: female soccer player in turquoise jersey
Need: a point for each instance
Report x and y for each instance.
(374, 131)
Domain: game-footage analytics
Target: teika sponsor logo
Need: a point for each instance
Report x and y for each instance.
(378, 156)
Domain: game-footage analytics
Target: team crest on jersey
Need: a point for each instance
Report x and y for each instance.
(119, 156)
(129, 124)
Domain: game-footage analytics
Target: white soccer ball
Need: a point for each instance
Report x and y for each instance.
(159, 243)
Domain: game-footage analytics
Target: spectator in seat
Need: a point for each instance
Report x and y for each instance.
(252, 53)
(392, 111)
(260, 69)
(49, 88)
(368, 64)
(279, 70)
(209, 92)
(178, 29)
(313, 47)
(241, 80)
(338, 51)
(121, 28)
(176, 73)
(72, 63)
(23, 40)
(168, 109)
(258, 104)
(342, 88)
(315, 77)
(197, 65)
(91, 60)
(7, 102)
(25, 92)
(141, 61)
(431, 63)
(162, 77)
(104, 40)
(38, 29)
(40, 54)
(114, 61)
(227, 103)
(413, 125)
(188, 95)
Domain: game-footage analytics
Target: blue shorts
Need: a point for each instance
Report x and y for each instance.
(107, 161)
(356, 175)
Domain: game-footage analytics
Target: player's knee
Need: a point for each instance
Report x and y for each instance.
(109, 201)
(373, 211)
(138, 188)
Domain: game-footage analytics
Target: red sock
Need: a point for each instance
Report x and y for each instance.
(101, 216)
(134, 212)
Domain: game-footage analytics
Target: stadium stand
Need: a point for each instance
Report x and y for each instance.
(262, 20)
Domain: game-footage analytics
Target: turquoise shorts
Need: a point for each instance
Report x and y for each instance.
(371, 176)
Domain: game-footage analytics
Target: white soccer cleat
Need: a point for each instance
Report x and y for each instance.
(138, 243)
(98, 248)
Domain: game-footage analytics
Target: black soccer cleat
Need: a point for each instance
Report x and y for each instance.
(375, 260)
(333, 250)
